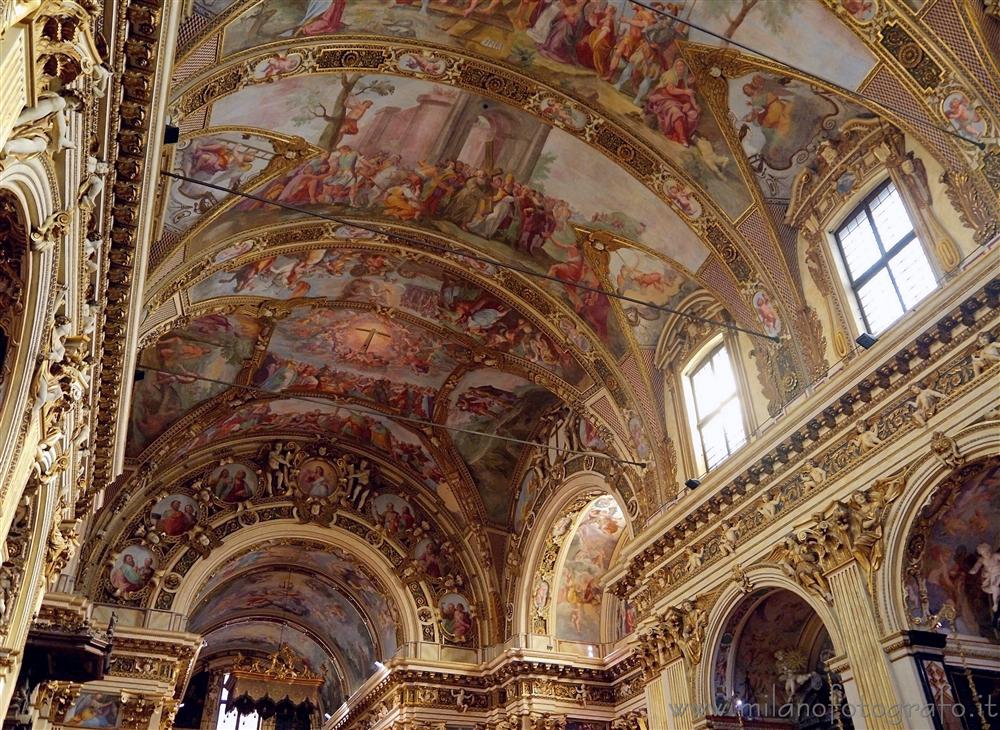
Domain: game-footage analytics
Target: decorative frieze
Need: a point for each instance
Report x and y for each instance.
(852, 429)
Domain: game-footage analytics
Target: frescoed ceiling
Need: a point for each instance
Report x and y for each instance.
(298, 597)
(434, 202)
(484, 170)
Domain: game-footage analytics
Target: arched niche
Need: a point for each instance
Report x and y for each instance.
(769, 661)
(952, 555)
(27, 199)
(578, 535)
(248, 540)
(734, 600)
(927, 478)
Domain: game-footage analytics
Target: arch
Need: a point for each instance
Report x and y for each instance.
(767, 578)
(924, 477)
(568, 502)
(31, 198)
(250, 537)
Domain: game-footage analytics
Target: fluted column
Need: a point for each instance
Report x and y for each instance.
(680, 714)
(656, 705)
(863, 646)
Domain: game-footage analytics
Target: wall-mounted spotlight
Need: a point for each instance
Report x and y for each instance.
(139, 375)
(866, 340)
(692, 484)
(171, 134)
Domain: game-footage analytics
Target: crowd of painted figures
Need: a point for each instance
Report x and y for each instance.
(490, 204)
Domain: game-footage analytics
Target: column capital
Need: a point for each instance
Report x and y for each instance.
(848, 530)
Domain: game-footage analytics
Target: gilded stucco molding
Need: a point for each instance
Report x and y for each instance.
(136, 51)
(488, 78)
(348, 509)
(836, 441)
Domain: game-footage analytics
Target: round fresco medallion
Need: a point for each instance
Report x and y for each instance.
(433, 561)
(132, 569)
(964, 116)
(393, 513)
(541, 598)
(456, 616)
(767, 314)
(174, 515)
(861, 10)
(317, 478)
(683, 197)
(233, 482)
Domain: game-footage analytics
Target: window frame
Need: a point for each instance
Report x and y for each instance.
(696, 419)
(882, 264)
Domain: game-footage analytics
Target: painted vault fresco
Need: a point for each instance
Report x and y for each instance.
(307, 599)
(782, 124)
(262, 638)
(493, 402)
(307, 416)
(960, 561)
(341, 352)
(578, 604)
(621, 57)
(494, 178)
(418, 288)
(335, 564)
(187, 366)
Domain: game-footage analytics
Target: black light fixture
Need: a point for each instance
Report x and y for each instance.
(171, 134)
(140, 374)
(692, 484)
(866, 340)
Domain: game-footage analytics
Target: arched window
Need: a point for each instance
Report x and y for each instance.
(885, 263)
(714, 408)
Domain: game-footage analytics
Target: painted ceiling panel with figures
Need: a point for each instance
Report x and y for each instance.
(422, 268)
(432, 199)
(296, 597)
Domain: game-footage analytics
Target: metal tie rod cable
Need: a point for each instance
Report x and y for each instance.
(316, 400)
(474, 257)
(843, 89)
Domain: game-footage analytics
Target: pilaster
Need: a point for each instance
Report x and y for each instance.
(853, 608)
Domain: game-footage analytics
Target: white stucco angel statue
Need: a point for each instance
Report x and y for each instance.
(988, 567)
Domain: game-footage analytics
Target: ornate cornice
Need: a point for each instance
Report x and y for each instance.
(138, 53)
(848, 432)
(513, 681)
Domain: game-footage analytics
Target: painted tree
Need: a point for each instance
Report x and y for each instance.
(772, 13)
(352, 86)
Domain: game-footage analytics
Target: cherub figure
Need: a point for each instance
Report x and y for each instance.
(988, 568)
(987, 353)
(93, 184)
(924, 403)
(770, 504)
(729, 537)
(812, 475)
(867, 438)
(694, 558)
(92, 254)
